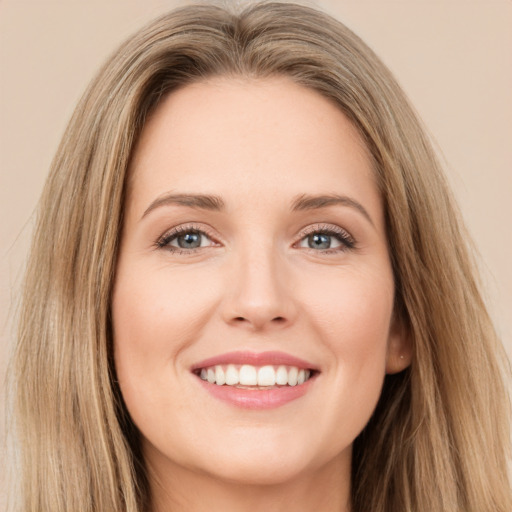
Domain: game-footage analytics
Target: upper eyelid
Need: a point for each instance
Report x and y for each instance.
(185, 228)
(312, 228)
(327, 228)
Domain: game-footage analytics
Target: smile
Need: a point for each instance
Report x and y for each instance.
(256, 381)
(253, 377)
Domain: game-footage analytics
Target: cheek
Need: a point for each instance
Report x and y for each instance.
(154, 319)
(360, 333)
(354, 319)
(154, 309)
(353, 309)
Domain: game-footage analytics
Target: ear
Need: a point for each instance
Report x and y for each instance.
(399, 352)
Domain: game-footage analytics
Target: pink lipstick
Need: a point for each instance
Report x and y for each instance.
(256, 380)
(256, 359)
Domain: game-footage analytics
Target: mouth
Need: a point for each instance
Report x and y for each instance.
(253, 377)
(256, 381)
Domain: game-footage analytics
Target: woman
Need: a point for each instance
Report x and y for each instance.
(249, 288)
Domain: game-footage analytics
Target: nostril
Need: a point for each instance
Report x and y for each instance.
(259, 322)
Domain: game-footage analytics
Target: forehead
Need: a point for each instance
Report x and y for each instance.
(249, 137)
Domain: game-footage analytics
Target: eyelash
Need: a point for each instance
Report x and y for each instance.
(346, 240)
(164, 241)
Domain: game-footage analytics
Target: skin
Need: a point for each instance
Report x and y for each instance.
(255, 284)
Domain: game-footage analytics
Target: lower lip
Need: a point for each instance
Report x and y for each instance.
(257, 398)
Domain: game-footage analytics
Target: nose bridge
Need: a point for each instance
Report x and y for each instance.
(259, 293)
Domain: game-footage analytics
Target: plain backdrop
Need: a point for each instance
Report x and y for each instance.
(452, 57)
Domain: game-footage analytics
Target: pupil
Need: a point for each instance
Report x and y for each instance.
(189, 241)
(319, 241)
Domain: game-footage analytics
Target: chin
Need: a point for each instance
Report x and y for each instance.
(264, 472)
(264, 460)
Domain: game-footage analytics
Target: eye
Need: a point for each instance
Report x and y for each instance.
(320, 241)
(185, 239)
(327, 239)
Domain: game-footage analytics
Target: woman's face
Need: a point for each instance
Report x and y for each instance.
(253, 249)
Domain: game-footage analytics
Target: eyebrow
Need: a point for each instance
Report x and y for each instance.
(303, 202)
(311, 202)
(197, 201)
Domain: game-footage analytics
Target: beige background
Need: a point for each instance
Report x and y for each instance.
(452, 57)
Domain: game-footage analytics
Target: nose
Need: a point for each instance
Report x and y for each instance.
(259, 292)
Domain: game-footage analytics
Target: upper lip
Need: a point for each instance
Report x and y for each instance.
(255, 359)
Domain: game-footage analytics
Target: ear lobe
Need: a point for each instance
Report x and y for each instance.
(399, 352)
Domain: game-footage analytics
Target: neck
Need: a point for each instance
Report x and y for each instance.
(180, 489)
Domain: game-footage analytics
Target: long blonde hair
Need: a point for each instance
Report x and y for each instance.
(439, 438)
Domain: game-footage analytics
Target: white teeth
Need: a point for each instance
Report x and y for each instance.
(248, 375)
(282, 376)
(293, 373)
(266, 376)
(232, 375)
(220, 378)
